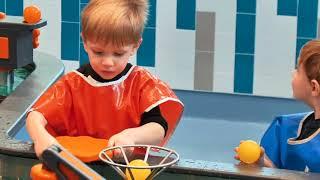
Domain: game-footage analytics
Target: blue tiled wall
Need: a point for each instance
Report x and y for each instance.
(186, 11)
(246, 6)
(70, 29)
(83, 54)
(306, 12)
(12, 7)
(2, 6)
(287, 7)
(245, 43)
(146, 55)
(243, 73)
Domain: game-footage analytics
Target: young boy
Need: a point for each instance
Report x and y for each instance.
(293, 141)
(108, 98)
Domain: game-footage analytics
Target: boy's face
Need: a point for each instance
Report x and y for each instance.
(301, 86)
(107, 60)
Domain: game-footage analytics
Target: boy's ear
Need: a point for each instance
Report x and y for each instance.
(136, 47)
(315, 87)
(138, 44)
(84, 43)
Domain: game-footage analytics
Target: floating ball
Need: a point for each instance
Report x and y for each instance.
(138, 174)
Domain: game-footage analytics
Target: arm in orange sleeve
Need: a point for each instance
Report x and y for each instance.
(157, 93)
(35, 125)
(51, 113)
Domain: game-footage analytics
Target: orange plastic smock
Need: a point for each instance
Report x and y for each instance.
(77, 105)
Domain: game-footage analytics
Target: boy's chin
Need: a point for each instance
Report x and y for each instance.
(108, 77)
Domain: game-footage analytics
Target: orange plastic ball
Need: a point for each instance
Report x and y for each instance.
(138, 174)
(39, 172)
(32, 14)
(2, 15)
(249, 151)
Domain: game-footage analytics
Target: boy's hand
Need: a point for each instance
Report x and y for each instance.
(259, 162)
(123, 138)
(42, 143)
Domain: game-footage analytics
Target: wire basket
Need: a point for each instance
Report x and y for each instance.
(157, 159)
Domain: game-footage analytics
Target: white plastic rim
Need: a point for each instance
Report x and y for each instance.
(105, 158)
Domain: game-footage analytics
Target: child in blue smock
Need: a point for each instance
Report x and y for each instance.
(293, 141)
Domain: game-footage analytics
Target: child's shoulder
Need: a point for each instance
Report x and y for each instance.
(144, 75)
(143, 72)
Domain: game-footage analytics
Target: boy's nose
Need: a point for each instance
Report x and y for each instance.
(107, 61)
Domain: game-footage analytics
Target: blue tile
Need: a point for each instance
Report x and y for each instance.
(243, 73)
(299, 45)
(287, 7)
(14, 7)
(307, 18)
(246, 6)
(84, 59)
(70, 41)
(152, 14)
(70, 10)
(245, 33)
(82, 6)
(84, 1)
(2, 6)
(186, 12)
(147, 52)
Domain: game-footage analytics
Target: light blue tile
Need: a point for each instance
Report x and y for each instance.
(147, 52)
(186, 12)
(246, 6)
(245, 33)
(287, 7)
(70, 10)
(70, 41)
(307, 18)
(14, 7)
(243, 73)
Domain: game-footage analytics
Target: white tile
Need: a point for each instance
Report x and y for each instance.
(224, 45)
(50, 35)
(275, 46)
(166, 14)
(223, 71)
(225, 13)
(152, 70)
(175, 51)
(70, 65)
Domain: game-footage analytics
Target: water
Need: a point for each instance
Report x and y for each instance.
(11, 79)
(205, 139)
(213, 139)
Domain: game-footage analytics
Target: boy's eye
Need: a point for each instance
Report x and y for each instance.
(99, 53)
(118, 54)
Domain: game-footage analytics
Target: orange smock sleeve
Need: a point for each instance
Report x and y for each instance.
(157, 93)
(55, 105)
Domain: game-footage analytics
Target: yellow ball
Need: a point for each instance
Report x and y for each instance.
(138, 174)
(249, 151)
